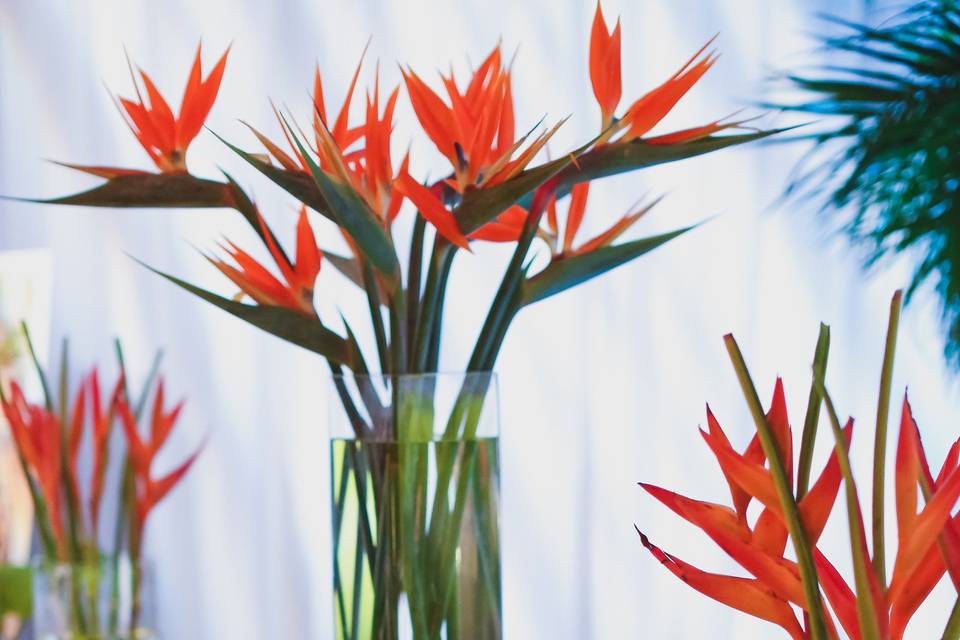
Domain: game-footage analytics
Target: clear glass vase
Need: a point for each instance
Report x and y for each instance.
(107, 599)
(415, 497)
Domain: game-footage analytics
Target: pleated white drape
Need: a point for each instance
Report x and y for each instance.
(601, 387)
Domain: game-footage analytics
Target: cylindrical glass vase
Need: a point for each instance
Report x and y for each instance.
(415, 497)
(107, 599)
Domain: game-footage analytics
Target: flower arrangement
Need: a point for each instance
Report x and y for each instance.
(795, 506)
(69, 507)
(347, 174)
(496, 190)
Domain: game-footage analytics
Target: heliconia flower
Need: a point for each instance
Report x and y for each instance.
(37, 435)
(475, 131)
(162, 135)
(295, 290)
(605, 66)
(929, 538)
(143, 451)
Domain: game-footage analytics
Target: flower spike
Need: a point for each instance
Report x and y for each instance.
(295, 291)
(162, 135)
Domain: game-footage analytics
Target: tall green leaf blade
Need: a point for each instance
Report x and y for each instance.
(149, 190)
(621, 157)
(569, 272)
(285, 324)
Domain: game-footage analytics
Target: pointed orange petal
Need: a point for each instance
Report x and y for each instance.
(927, 527)
(160, 115)
(743, 594)
(197, 104)
(714, 519)
(605, 64)
(906, 476)
(108, 173)
(578, 205)
(926, 576)
(432, 209)
(341, 125)
(751, 477)
(158, 489)
(308, 253)
(741, 499)
(435, 117)
(507, 227)
(841, 597)
(649, 110)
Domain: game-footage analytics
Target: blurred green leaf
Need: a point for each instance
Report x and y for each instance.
(16, 591)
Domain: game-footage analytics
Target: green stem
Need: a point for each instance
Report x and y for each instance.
(426, 319)
(47, 396)
(809, 437)
(414, 274)
(791, 512)
(880, 441)
(867, 609)
(376, 317)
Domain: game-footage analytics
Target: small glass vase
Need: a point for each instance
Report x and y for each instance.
(415, 494)
(107, 599)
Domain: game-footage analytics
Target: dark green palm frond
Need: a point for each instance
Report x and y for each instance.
(892, 133)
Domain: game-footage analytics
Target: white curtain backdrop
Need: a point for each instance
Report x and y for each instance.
(601, 387)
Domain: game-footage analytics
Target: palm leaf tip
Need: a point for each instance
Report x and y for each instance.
(888, 145)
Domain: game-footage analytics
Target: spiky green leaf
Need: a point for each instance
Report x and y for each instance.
(565, 273)
(149, 190)
(309, 333)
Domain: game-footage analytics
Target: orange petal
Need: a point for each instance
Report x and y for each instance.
(927, 527)
(741, 499)
(432, 209)
(841, 597)
(197, 103)
(605, 64)
(926, 576)
(435, 117)
(308, 253)
(160, 114)
(743, 594)
(714, 519)
(749, 476)
(649, 110)
(907, 472)
(578, 205)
